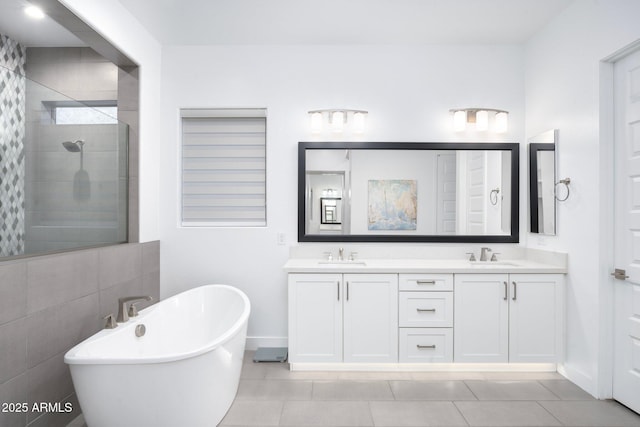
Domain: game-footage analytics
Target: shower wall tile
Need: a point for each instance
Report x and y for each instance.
(150, 257)
(14, 390)
(13, 349)
(50, 381)
(54, 279)
(72, 303)
(12, 143)
(13, 291)
(119, 264)
(49, 419)
(77, 72)
(57, 329)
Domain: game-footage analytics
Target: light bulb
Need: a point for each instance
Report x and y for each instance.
(316, 122)
(502, 122)
(337, 121)
(358, 122)
(482, 120)
(459, 121)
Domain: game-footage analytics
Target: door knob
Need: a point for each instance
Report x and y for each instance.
(619, 274)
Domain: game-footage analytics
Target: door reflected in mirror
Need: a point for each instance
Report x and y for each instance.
(408, 192)
(542, 180)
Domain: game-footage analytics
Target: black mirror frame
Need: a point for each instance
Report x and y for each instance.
(514, 148)
(534, 147)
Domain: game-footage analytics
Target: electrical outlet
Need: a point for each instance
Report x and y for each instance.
(282, 239)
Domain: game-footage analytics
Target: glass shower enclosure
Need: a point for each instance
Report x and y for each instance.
(63, 170)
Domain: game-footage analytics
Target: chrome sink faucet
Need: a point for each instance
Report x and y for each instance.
(483, 253)
(341, 254)
(123, 316)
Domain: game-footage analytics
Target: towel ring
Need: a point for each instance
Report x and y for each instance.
(566, 183)
(493, 196)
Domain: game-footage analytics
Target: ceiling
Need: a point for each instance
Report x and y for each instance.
(33, 33)
(210, 22)
(205, 22)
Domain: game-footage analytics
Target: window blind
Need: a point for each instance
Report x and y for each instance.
(223, 167)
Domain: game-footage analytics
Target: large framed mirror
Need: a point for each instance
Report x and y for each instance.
(408, 192)
(542, 181)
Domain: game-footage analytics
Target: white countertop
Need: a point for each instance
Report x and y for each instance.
(307, 265)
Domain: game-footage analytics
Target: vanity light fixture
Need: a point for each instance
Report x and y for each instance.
(338, 120)
(34, 12)
(480, 118)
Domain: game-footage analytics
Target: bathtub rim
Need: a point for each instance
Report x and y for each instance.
(72, 357)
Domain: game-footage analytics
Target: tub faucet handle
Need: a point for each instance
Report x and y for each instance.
(122, 307)
(111, 321)
(133, 310)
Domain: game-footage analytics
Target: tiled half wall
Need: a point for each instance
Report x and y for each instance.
(12, 134)
(49, 304)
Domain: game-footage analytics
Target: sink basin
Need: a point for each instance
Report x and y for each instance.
(346, 262)
(493, 264)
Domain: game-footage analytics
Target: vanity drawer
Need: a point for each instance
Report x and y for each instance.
(425, 282)
(425, 309)
(431, 345)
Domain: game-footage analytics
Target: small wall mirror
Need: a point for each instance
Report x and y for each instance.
(542, 179)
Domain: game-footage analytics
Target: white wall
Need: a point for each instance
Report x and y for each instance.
(408, 91)
(563, 91)
(115, 23)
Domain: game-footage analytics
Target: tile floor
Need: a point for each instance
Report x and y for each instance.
(271, 395)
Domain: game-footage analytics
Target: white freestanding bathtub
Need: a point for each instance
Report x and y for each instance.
(183, 372)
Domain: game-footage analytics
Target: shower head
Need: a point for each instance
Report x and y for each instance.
(74, 146)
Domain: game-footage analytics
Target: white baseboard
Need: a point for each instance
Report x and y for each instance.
(426, 367)
(580, 379)
(254, 342)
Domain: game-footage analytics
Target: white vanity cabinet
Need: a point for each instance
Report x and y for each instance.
(425, 318)
(315, 317)
(351, 318)
(507, 317)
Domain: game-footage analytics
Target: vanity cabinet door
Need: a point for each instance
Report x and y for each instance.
(370, 318)
(534, 317)
(481, 318)
(315, 318)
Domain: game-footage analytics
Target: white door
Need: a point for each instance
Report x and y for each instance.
(370, 318)
(626, 367)
(534, 317)
(315, 318)
(481, 318)
(446, 194)
(476, 182)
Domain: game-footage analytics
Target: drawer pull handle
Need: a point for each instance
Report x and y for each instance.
(420, 347)
(430, 310)
(426, 282)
